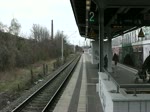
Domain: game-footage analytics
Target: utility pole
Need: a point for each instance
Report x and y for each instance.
(62, 48)
(74, 47)
(52, 29)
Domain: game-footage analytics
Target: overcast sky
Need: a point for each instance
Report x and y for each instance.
(29, 12)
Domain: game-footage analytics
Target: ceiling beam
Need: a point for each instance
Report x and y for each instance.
(145, 10)
(127, 3)
(114, 17)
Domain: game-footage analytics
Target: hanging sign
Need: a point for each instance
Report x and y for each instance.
(141, 34)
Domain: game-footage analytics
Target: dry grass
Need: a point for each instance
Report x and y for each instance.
(20, 79)
(15, 82)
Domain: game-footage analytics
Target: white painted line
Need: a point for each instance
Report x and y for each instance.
(82, 99)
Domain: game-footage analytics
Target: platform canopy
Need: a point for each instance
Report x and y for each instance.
(119, 15)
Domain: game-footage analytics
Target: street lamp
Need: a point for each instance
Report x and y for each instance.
(62, 45)
(73, 40)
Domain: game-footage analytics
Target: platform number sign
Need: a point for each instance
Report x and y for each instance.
(91, 14)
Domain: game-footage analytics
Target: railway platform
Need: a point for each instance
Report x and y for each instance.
(82, 93)
(124, 74)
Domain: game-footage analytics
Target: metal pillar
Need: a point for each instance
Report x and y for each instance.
(109, 50)
(101, 37)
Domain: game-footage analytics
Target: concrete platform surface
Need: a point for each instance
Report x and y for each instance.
(80, 94)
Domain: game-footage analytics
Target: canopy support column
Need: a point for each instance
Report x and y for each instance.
(109, 50)
(101, 37)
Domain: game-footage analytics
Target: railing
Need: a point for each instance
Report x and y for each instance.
(135, 87)
(111, 78)
(127, 86)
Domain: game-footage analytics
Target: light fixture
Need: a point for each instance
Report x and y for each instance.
(87, 8)
(88, 2)
(105, 40)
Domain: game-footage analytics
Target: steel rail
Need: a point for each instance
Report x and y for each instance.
(29, 99)
(57, 91)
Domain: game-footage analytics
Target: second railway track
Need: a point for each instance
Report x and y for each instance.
(41, 100)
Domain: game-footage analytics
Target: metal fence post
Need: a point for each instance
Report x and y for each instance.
(118, 87)
(135, 92)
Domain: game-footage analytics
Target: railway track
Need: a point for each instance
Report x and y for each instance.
(42, 99)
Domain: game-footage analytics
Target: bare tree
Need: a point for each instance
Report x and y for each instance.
(58, 41)
(14, 27)
(3, 28)
(39, 33)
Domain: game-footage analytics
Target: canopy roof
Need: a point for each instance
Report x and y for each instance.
(119, 15)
